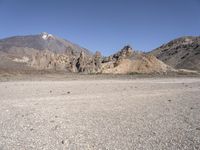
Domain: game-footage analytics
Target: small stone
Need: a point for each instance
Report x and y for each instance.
(63, 142)
(169, 100)
(56, 127)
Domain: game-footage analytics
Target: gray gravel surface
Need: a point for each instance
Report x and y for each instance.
(102, 114)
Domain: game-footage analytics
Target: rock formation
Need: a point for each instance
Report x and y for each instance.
(123, 62)
(97, 61)
(47, 52)
(81, 62)
(128, 61)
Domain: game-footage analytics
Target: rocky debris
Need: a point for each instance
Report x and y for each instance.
(144, 64)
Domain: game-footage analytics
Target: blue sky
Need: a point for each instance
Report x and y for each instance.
(104, 25)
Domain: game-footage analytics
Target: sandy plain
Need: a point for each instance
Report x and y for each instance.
(114, 113)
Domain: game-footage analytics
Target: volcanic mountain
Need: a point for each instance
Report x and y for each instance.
(16, 51)
(43, 41)
(181, 53)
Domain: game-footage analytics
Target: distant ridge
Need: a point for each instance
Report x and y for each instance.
(181, 53)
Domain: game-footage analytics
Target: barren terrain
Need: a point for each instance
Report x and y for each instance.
(140, 113)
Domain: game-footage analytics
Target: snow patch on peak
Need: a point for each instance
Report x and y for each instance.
(24, 59)
(47, 36)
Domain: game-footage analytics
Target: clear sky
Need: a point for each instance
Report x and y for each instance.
(104, 25)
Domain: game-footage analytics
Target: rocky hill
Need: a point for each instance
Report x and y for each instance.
(128, 61)
(181, 53)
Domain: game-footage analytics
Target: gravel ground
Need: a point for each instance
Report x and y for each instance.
(162, 113)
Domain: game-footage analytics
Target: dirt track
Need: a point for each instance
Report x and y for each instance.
(101, 114)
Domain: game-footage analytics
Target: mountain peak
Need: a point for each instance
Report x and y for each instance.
(47, 36)
(40, 42)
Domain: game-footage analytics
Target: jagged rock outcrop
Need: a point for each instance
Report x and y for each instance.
(89, 64)
(97, 61)
(47, 60)
(72, 65)
(128, 61)
(126, 51)
(81, 62)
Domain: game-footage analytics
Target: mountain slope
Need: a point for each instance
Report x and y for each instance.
(181, 53)
(43, 41)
